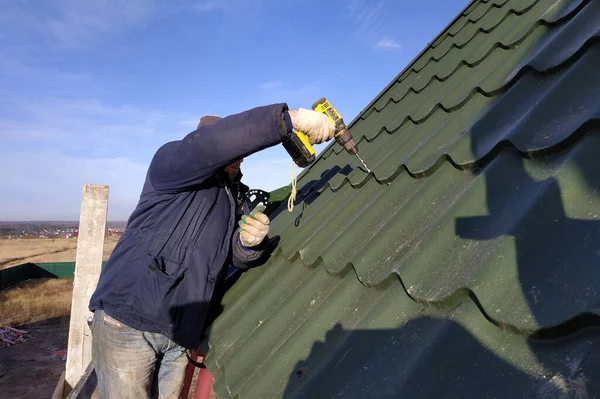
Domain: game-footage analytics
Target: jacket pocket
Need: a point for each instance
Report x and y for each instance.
(159, 290)
(165, 265)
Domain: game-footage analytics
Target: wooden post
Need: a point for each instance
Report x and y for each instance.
(60, 388)
(90, 247)
(86, 385)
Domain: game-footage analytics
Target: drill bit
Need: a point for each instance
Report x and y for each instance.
(363, 162)
(350, 146)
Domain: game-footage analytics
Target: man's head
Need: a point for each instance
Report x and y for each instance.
(232, 169)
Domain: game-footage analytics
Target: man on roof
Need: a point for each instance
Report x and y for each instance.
(154, 292)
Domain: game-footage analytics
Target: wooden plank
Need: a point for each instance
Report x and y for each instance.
(90, 245)
(60, 388)
(85, 387)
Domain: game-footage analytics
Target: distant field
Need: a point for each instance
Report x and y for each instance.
(16, 252)
(39, 299)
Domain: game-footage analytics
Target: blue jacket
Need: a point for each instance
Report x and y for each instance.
(181, 236)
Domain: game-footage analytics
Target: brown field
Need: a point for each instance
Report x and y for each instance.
(16, 252)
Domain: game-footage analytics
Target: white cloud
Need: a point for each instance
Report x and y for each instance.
(79, 21)
(52, 146)
(371, 19)
(87, 125)
(369, 16)
(74, 23)
(271, 85)
(46, 185)
(387, 44)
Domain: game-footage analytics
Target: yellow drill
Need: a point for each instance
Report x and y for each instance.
(299, 148)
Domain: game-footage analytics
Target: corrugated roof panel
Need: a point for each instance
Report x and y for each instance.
(404, 227)
(357, 342)
(466, 263)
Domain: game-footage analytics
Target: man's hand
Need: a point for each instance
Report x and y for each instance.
(315, 125)
(254, 228)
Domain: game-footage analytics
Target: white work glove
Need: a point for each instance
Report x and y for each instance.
(253, 228)
(315, 125)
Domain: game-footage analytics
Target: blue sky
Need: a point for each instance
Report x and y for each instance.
(90, 89)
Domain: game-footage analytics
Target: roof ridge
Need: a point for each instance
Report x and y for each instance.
(493, 4)
(498, 45)
(470, 64)
(525, 69)
(467, 42)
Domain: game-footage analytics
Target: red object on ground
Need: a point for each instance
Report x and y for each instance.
(62, 354)
(11, 336)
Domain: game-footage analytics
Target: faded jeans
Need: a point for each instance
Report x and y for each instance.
(135, 364)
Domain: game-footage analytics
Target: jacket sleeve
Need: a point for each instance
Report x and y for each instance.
(246, 258)
(180, 164)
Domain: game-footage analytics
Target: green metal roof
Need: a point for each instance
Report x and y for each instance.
(466, 264)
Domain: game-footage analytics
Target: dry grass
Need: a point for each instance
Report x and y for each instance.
(16, 252)
(36, 300)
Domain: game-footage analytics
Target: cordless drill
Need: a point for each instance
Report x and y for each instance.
(300, 149)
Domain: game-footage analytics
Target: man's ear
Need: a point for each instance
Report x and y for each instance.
(208, 120)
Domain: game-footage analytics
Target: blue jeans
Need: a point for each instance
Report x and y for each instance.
(135, 364)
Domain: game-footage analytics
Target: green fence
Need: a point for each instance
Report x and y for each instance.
(17, 274)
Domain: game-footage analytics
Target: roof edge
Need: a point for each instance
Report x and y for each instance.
(387, 87)
(411, 63)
